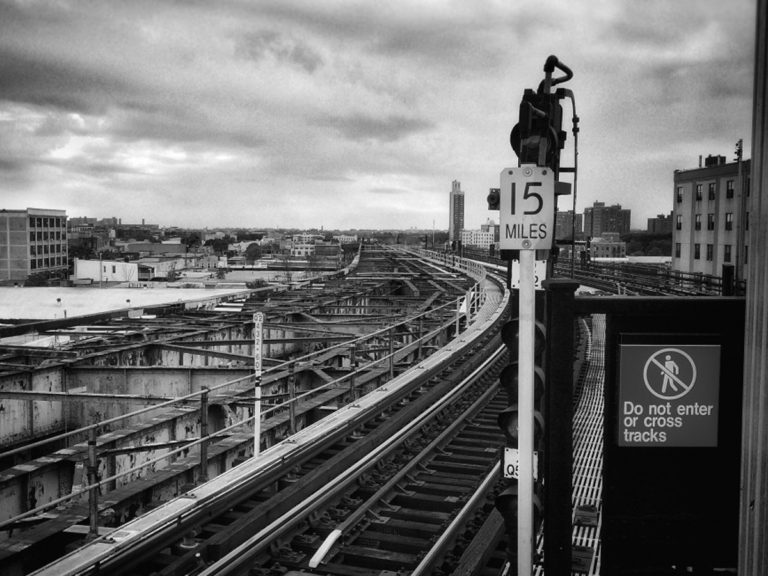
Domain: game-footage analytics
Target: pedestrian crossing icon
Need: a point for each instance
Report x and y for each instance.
(669, 373)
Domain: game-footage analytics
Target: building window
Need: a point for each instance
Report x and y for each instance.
(710, 252)
(746, 186)
(677, 249)
(729, 189)
(31, 236)
(727, 253)
(710, 221)
(711, 191)
(698, 192)
(31, 222)
(746, 221)
(33, 264)
(32, 251)
(679, 222)
(729, 220)
(114, 269)
(746, 254)
(696, 251)
(39, 222)
(39, 236)
(679, 194)
(697, 222)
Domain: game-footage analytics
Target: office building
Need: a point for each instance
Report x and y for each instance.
(32, 241)
(710, 217)
(456, 212)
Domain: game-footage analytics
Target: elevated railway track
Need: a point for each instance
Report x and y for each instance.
(386, 459)
(380, 322)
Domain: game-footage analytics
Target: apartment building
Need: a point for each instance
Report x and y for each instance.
(710, 217)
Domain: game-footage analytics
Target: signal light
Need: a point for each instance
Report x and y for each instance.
(508, 422)
(506, 504)
(509, 336)
(494, 198)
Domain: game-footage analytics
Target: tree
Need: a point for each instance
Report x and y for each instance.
(218, 245)
(38, 279)
(172, 274)
(252, 253)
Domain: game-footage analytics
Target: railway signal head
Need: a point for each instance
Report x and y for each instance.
(494, 198)
(508, 380)
(538, 136)
(510, 333)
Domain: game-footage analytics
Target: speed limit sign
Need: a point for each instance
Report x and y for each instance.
(527, 208)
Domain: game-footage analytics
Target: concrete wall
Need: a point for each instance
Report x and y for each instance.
(21, 420)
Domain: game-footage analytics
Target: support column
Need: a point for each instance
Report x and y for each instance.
(204, 436)
(93, 492)
(558, 451)
(753, 537)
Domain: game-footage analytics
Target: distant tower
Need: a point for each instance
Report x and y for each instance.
(456, 212)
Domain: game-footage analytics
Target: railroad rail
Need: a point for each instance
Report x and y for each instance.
(296, 464)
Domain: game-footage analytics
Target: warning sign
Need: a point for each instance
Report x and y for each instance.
(668, 395)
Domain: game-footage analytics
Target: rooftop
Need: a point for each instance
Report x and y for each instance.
(35, 303)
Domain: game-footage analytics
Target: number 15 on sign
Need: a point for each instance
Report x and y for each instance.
(527, 208)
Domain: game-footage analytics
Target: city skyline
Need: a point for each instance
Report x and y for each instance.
(350, 114)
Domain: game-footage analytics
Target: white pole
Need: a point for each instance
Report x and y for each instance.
(527, 319)
(258, 324)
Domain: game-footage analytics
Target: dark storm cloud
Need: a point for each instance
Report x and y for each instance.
(170, 123)
(267, 43)
(50, 82)
(12, 165)
(388, 129)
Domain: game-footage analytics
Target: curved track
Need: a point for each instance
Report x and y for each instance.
(194, 531)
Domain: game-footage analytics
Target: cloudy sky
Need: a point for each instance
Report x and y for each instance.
(353, 114)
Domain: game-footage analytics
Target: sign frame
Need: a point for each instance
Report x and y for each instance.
(527, 208)
(674, 404)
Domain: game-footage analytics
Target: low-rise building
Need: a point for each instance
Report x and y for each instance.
(98, 271)
(346, 238)
(608, 245)
(479, 238)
